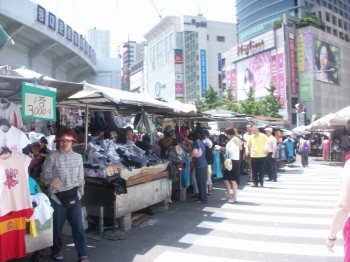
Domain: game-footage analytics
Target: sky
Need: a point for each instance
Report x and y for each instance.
(131, 19)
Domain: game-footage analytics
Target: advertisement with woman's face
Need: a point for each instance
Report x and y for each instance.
(254, 72)
(327, 62)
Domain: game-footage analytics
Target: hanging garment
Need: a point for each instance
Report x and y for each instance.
(15, 192)
(185, 173)
(12, 113)
(12, 235)
(14, 139)
(217, 165)
(43, 210)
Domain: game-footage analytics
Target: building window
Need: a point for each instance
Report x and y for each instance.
(334, 20)
(341, 35)
(345, 25)
(340, 23)
(220, 38)
(328, 17)
(347, 37)
(335, 32)
(328, 29)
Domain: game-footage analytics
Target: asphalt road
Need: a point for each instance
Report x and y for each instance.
(286, 220)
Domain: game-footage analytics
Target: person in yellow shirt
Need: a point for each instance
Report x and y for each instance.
(258, 145)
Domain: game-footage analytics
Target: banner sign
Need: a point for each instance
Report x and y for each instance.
(38, 102)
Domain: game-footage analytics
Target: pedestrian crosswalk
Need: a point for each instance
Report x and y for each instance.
(283, 221)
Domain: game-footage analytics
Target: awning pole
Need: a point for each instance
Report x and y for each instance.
(86, 125)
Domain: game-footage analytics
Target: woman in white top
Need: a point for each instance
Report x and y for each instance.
(232, 177)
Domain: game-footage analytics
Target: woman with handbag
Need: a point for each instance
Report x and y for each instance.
(63, 171)
(232, 171)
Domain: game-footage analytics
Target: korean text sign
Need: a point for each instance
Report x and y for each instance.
(38, 102)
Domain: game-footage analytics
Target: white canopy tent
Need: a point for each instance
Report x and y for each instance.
(344, 112)
(329, 122)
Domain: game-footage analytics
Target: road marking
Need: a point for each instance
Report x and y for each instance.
(261, 246)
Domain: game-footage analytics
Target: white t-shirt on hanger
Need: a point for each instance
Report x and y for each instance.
(14, 139)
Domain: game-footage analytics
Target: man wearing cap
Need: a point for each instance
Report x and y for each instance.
(271, 156)
(63, 171)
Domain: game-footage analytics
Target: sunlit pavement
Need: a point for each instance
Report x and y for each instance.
(286, 220)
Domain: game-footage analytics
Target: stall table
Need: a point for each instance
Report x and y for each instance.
(145, 187)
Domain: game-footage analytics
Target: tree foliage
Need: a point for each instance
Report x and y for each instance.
(267, 106)
(310, 19)
(270, 105)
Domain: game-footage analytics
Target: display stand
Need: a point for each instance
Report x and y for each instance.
(146, 187)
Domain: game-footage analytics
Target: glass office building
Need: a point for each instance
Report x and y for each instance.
(256, 17)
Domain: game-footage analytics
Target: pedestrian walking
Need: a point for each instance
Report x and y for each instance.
(258, 144)
(247, 155)
(326, 145)
(232, 177)
(304, 150)
(271, 169)
(63, 171)
(200, 165)
(341, 214)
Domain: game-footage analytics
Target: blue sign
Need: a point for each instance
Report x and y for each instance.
(69, 35)
(203, 62)
(41, 14)
(219, 62)
(52, 21)
(61, 27)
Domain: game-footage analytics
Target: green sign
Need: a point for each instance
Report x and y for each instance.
(306, 86)
(38, 102)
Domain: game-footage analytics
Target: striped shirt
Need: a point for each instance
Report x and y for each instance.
(67, 167)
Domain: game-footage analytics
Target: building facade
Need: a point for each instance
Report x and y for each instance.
(184, 57)
(257, 17)
(305, 65)
(46, 44)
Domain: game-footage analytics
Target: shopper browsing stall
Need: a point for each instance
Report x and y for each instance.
(63, 171)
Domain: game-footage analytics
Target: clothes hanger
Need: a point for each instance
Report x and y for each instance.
(4, 101)
(5, 122)
(5, 150)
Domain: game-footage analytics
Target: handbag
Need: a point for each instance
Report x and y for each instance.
(228, 161)
(228, 164)
(68, 198)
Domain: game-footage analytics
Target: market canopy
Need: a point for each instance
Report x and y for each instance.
(329, 122)
(344, 112)
(11, 84)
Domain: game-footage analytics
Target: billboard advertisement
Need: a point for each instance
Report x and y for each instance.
(327, 62)
(254, 72)
(305, 61)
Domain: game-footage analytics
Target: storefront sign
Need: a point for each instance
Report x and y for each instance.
(58, 25)
(38, 102)
(196, 23)
(179, 80)
(250, 48)
(203, 62)
(293, 78)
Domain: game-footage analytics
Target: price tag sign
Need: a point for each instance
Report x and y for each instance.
(38, 102)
